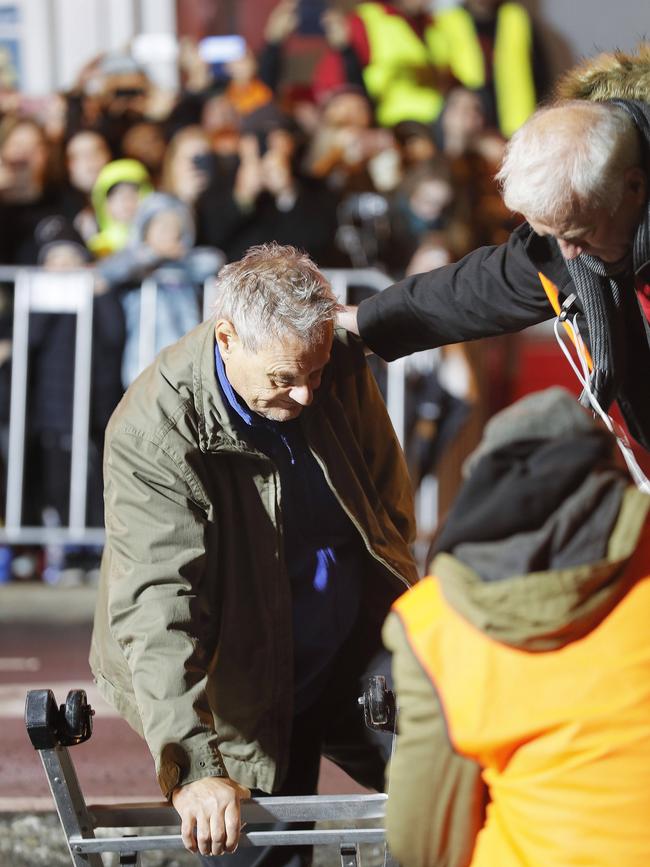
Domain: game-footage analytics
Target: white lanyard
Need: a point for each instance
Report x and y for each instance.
(638, 476)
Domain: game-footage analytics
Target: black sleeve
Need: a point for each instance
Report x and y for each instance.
(493, 290)
(541, 72)
(109, 328)
(270, 65)
(219, 218)
(352, 68)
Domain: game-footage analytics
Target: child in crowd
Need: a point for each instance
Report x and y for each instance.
(119, 187)
(161, 244)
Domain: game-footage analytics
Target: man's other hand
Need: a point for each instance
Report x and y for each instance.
(346, 317)
(210, 814)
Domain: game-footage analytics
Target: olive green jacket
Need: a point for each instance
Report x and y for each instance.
(192, 639)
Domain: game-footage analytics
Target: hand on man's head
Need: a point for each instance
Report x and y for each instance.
(346, 317)
(210, 814)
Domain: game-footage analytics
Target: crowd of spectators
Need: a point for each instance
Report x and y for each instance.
(387, 160)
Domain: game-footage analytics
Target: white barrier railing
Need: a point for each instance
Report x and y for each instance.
(39, 291)
(341, 279)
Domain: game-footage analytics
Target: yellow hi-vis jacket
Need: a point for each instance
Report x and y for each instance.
(513, 49)
(563, 735)
(400, 68)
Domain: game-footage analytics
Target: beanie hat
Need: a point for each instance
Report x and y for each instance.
(550, 414)
(53, 231)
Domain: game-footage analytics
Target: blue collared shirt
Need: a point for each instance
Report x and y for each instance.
(323, 551)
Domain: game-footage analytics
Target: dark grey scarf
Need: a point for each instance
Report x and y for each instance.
(605, 290)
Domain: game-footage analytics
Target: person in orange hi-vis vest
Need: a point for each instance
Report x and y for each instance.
(522, 664)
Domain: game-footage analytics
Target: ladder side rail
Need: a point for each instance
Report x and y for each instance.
(70, 805)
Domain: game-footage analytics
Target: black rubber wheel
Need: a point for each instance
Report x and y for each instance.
(77, 717)
(41, 718)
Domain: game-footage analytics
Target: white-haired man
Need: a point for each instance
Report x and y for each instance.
(578, 172)
(258, 521)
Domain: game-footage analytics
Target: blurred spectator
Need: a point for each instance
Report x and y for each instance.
(427, 200)
(242, 86)
(124, 91)
(117, 192)
(395, 51)
(161, 243)
(463, 128)
(493, 48)
(441, 387)
(245, 90)
(86, 154)
(52, 351)
(346, 150)
(27, 193)
(145, 142)
(415, 142)
(189, 165)
(268, 199)
(474, 151)
(221, 122)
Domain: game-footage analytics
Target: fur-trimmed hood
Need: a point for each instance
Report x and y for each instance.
(612, 75)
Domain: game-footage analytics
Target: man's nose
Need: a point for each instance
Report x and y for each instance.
(569, 250)
(302, 394)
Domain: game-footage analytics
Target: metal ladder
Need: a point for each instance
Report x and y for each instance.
(52, 729)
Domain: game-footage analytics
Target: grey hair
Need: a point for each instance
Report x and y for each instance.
(569, 158)
(274, 292)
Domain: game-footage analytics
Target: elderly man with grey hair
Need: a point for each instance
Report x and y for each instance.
(578, 172)
(258, 523)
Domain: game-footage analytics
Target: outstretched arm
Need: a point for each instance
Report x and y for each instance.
(493, 290)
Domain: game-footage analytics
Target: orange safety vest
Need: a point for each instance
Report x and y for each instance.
(563, 736)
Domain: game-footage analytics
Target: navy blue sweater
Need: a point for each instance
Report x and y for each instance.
(322, 550)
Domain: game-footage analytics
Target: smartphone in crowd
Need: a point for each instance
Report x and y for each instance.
(217, 51)
(310, 13)
(150, 48)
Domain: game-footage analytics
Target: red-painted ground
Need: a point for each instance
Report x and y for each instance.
(114, 763)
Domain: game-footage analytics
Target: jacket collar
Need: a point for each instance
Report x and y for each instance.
(545, 610)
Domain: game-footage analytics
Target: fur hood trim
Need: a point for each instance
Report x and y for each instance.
(613, 75)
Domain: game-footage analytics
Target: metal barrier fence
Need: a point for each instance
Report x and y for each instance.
(39, 291)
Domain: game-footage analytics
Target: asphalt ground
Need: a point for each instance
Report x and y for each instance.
(44, 640)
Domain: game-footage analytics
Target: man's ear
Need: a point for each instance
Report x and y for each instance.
(226, 336)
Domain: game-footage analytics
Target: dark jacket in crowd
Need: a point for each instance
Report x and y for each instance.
(310, 224)
(52, 352)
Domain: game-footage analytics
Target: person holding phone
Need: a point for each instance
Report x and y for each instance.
(267, 198)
